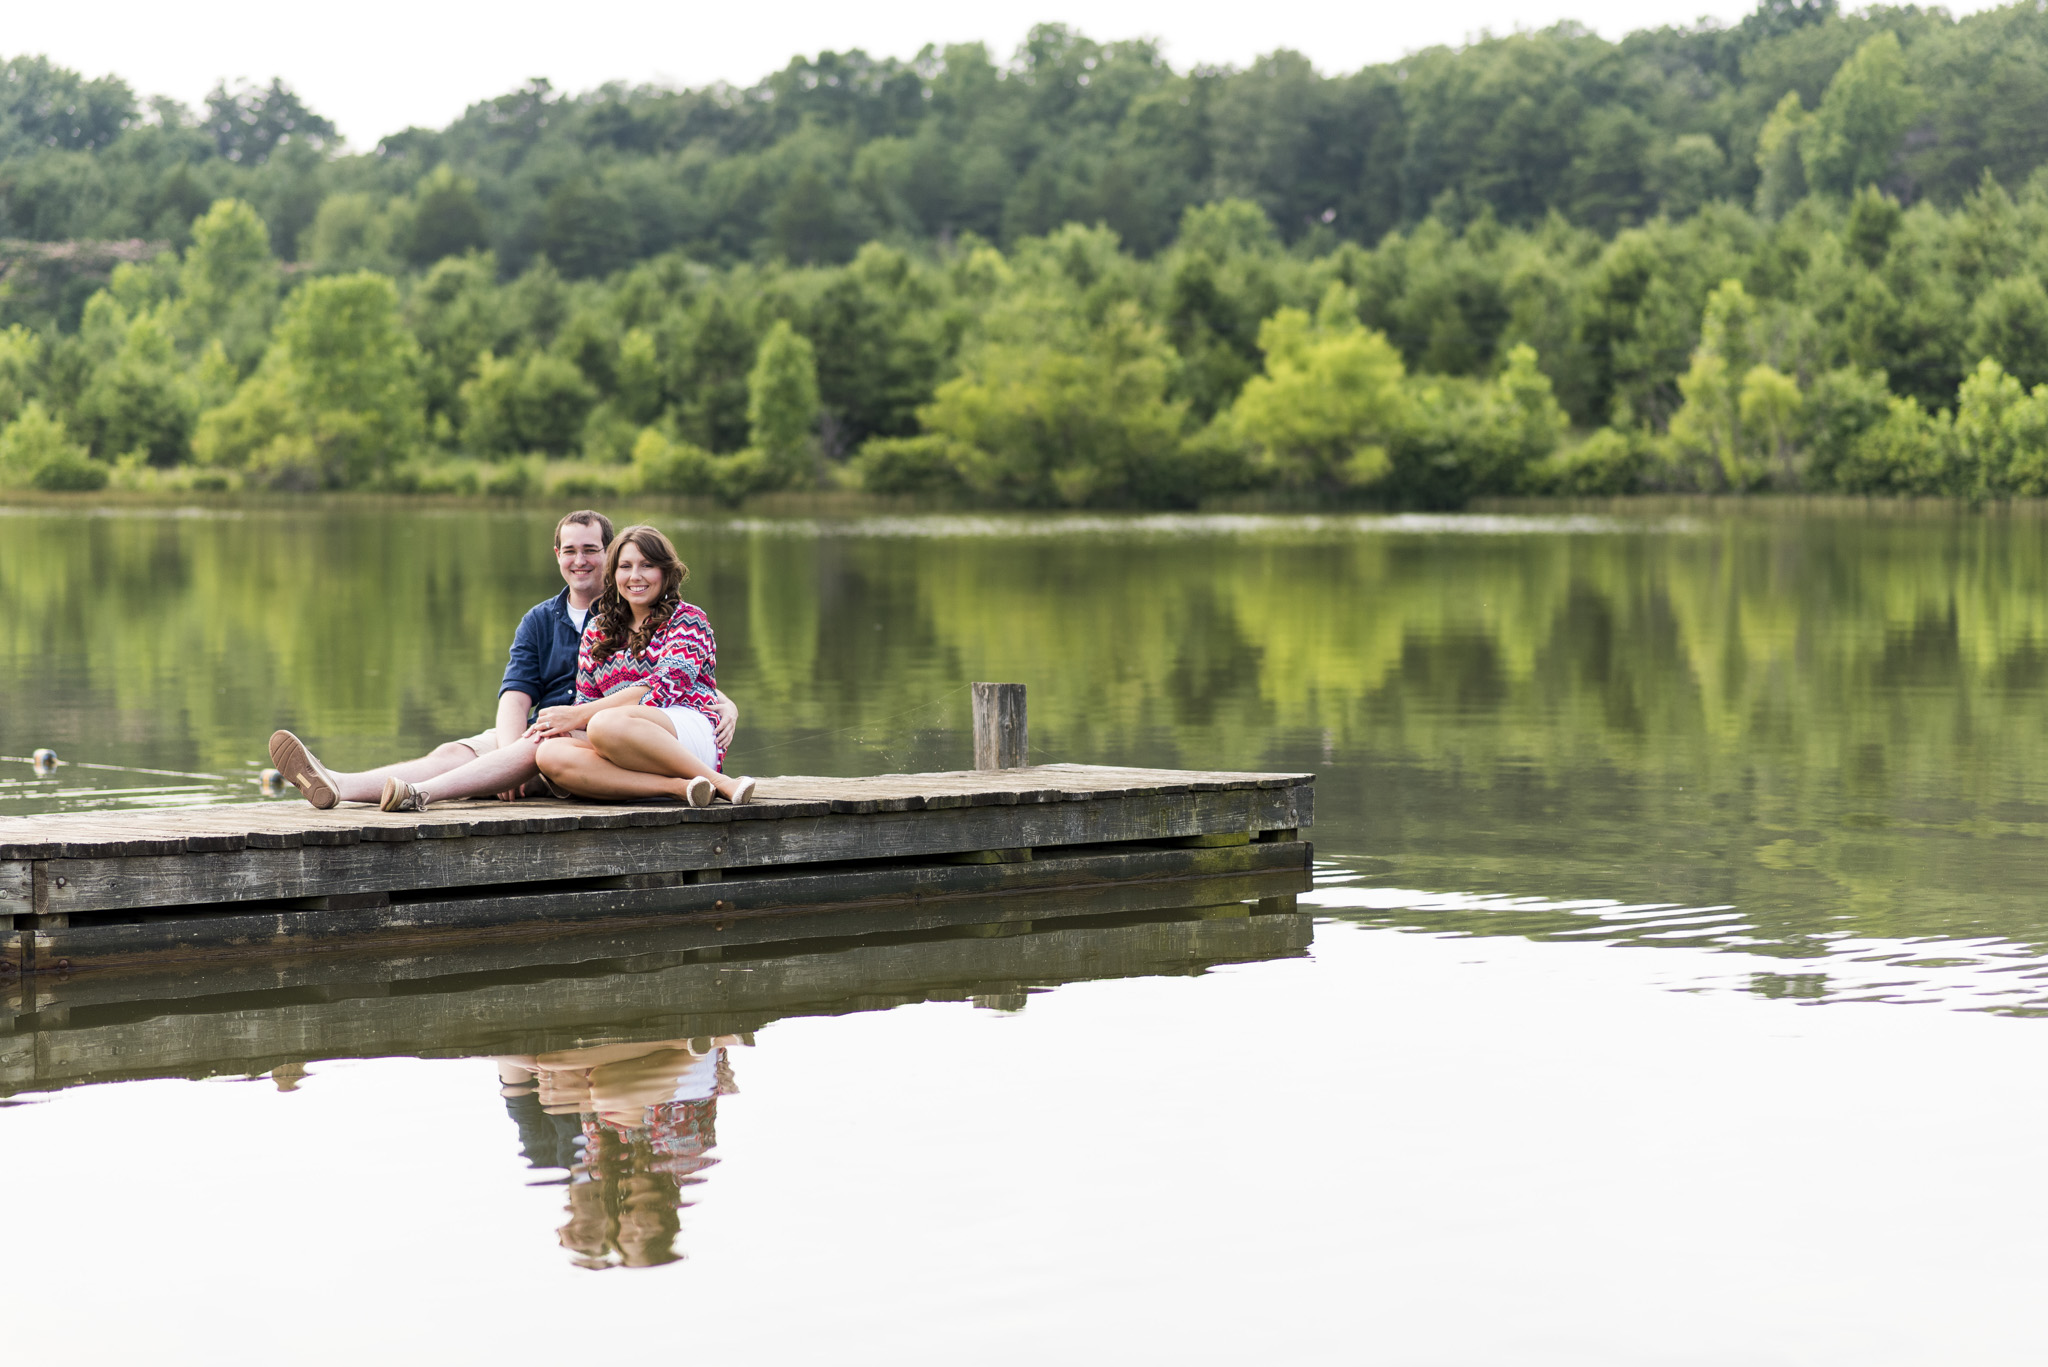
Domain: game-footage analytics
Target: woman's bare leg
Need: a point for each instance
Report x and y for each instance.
(576, 766)
(641, 739)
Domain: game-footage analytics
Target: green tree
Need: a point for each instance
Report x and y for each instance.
(351, 231)
(141, 399)
(337, 401)
(21, 357)
(1330, 401)
(1054, 410)
(227, 287)
(1854, 136)
(538, 402)
(447, 218)
(1741, 413)
(457, 313)
(711, 379)
(251, 123)
(37, 453)
(782, 404)
(2009, 323)
(1780, 163)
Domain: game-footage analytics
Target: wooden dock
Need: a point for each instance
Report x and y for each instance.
(136, 890)
(674, 982)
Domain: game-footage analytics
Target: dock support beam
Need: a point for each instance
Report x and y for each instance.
(1001, 735)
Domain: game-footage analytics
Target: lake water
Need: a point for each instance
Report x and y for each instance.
(1670, 994)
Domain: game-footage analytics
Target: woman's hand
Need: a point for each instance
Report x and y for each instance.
(728, 713)
(556, 721)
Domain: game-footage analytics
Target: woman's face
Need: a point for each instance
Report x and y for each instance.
(639, 583)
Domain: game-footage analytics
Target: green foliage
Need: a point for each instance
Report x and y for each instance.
(1780, 159)
(782, 405)
(1058, 409)
(228, 283)
(1470, 437)
(336, 403)
(37, 453)
(1414, 285)
(1331, 399)
(2009, 323)
(447, 219)
(1742, 413)
(352, 231)
(140, 400)
(536, 403)
(1606, 463)
(913, 465)
(1856, 132)
(21, 358)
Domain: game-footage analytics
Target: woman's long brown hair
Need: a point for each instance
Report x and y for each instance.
(615, 614)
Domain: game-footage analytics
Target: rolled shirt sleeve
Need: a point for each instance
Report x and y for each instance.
(523, 670)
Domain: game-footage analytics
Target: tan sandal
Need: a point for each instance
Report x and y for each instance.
(400, 796)
(700, 791)
(292, 759)
(743, 793)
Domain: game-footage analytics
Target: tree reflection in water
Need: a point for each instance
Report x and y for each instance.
(634, 1125)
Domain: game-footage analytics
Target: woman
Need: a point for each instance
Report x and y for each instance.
(643, 723)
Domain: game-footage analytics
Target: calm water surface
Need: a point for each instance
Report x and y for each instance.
(1670, 992)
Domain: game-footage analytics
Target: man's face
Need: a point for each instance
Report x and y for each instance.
(579, 551)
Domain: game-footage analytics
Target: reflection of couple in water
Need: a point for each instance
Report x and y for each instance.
(610, 693)
(634, 1125)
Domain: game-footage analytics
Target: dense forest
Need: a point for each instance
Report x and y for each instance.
(1802, 252)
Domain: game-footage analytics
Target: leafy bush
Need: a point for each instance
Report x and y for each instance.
(912, 465)
(37, 453)
(665, 464)
(1606, 463)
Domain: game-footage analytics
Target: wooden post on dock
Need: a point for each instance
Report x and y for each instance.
(1001, 736)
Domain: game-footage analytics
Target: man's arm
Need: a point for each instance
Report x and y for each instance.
(513, 707)
(728, 713)
(522, 666)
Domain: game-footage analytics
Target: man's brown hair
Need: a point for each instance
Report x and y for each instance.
(588, 518)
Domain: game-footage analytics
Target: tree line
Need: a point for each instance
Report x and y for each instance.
(1799, 252)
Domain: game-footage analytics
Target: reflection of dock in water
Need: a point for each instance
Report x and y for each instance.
(136, 890)
(681, 981)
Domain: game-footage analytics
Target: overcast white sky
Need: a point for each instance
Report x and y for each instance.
(376, 66)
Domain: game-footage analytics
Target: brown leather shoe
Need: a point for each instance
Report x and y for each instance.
(292, 759)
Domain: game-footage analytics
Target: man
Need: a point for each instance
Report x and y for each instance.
(541, 673)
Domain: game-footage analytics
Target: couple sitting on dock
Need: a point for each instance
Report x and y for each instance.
(609, 694)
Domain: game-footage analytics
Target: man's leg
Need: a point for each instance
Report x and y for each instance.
(303, 770)
(368, 785)
(501, 771)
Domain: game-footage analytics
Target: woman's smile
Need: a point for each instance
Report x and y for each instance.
(639, 583)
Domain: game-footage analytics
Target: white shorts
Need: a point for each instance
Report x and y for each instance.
(693, 729)
(483, 742)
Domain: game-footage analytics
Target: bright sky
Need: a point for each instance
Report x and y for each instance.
(375, 66)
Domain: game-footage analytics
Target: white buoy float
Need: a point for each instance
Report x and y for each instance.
(271, 782)
(45, 760)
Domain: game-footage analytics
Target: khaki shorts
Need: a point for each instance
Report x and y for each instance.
(483, 742)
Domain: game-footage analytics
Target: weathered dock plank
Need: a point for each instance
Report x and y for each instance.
(720, 905)
(119, 884)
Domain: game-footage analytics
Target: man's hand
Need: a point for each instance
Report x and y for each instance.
(728, 713)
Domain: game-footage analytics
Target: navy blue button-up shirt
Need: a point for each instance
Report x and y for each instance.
(543, 663)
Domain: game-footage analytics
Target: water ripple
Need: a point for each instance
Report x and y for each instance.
(1985, 973)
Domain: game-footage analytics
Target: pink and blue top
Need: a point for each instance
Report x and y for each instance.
(677, 667)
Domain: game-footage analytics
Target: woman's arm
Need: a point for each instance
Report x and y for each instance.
(561, 721)
(728, 713)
